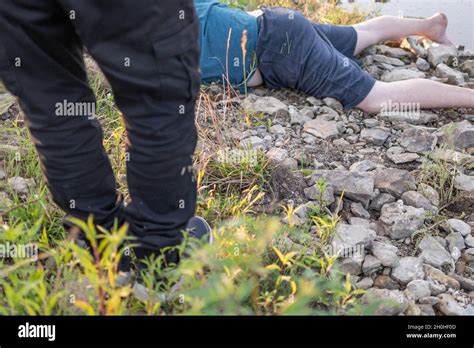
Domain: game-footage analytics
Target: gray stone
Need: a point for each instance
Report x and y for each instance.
(2, 172)
(297, 117)
(437, 275)
(357, 186)
(401, 221)
(439, 53)
(363, 166)
(430, 193)
(375, 136)
(448, 305)
(267, 105)
(371, 122)
(333, 103)
(5, 202)
(359, 221)
(411, 117)
(464, 182)
(409, 268)
(352, 239)
(315, 194)
(456, 225)
(401, 74)
(398, 157)
(371, 265)
(277, 129)
(419, 288)
(458, 134)
(359, 211)
(277, 155)
(454, 77)
(418, 140)
(417, 200)
(387, 60)
(422, 64)
(433, 253)
(469, 240)
(352, 265)
(382, 199)
(364, 283)
(253, 142)
(20, 185)
(466, 283)
(468, 67)
(391, 302)
(455, 241)
(321, 129)
(386, 253)
(393, 51)
(394, 181)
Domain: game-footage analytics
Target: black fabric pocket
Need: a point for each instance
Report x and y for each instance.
(178, 63)
(7, 73)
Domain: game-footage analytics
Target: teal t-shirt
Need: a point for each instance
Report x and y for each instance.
(217, 57)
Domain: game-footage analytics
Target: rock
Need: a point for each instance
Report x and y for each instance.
(363, 166)
(371, 122)
(277, 129)
(401, 221)
(410, 117)
(458, 134)
(296, 117)
(427, 310)
(394, 52)
(439, 53)
(437, 275)
(417, 200)
(20, 185)
(313, 193)
(359, 211)
(464, 182)
(468, 67)
(392, 302)
(448, 305)
(418, 140)
(333, 103)
(359, 221)
(267, 105)
(340, 143)
(2, 172)
(418, 288)
(364, 283)
(434, 253)
(321, 129)
(371, 265)
(466, 283)
(382, 199)
(454, 77)
(394, 181)
(401, 74)
(385, 282)
(357, 186)
(409, 268)
(456, 225)
(397, 156)
(352, 239)
(253, 142)
(430, 193)
(422, 64)
(469, 240)
(5, 202)
(387, 60)
(386, 253)
(451, 156)
(352, 265)
(375, 136)
(455, 241)
(415, 45)
(277, 155)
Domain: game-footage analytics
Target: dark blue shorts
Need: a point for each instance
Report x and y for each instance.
(317, 59)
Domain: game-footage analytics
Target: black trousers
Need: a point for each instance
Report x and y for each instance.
(148, 50)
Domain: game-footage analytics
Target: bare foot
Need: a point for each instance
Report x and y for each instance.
(437, 30)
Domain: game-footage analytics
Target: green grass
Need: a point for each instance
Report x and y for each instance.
(250, 269)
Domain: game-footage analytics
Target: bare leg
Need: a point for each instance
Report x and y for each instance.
(386, 28)
(426, 93)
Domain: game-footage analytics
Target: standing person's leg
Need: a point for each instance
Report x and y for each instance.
(149, 52)
(41, 63)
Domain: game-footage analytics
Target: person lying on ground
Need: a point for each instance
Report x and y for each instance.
(283, 49)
